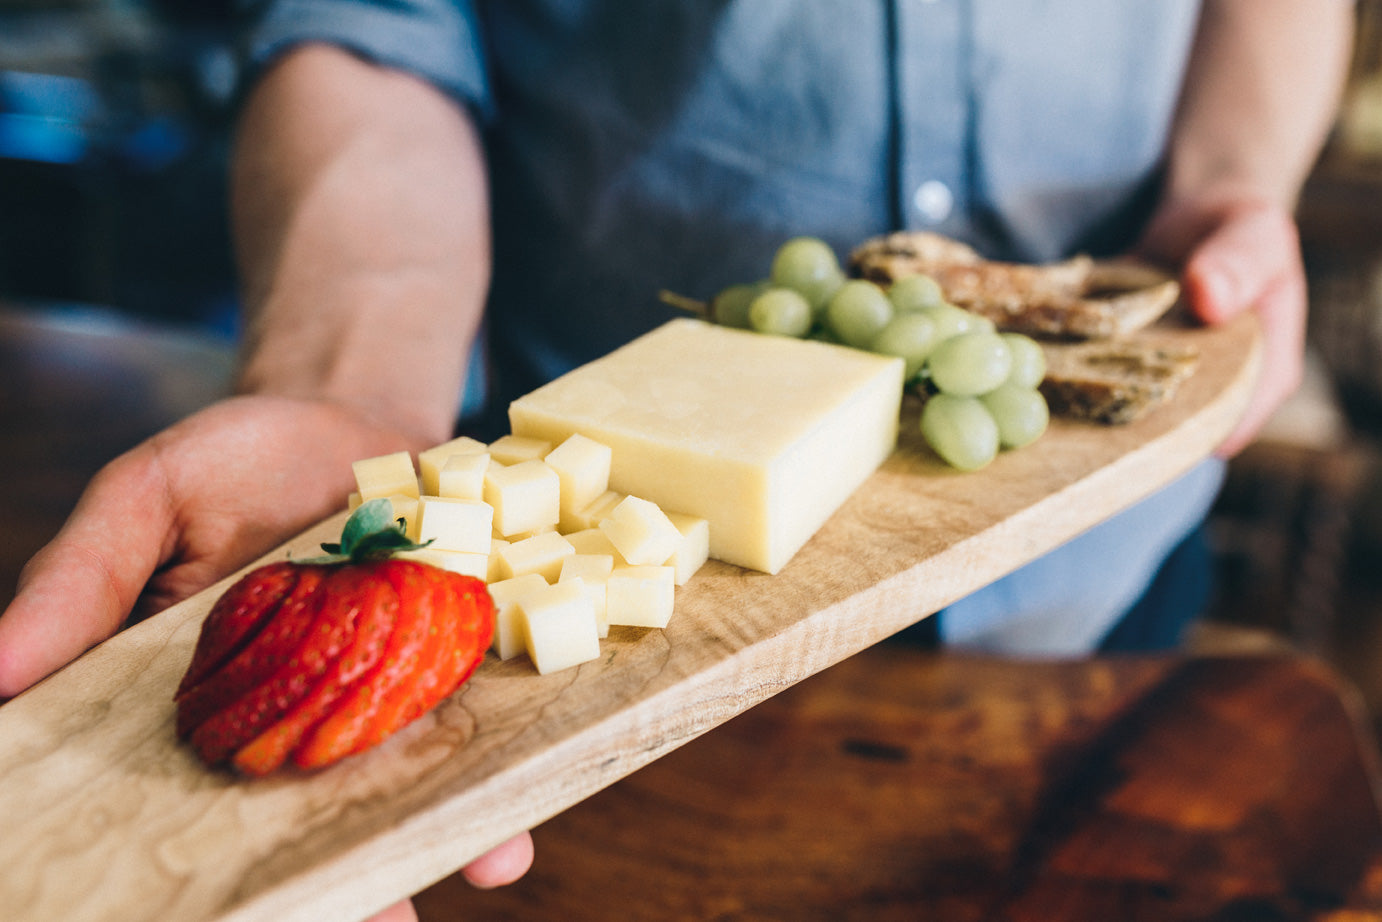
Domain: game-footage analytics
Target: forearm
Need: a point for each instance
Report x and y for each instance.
(1260, 97)
(361, 223)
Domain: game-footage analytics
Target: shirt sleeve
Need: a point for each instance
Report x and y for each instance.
(436, 40)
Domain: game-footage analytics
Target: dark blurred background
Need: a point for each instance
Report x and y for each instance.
(113, 134)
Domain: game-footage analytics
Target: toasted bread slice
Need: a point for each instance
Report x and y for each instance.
(1078, 298)
(1112, 381)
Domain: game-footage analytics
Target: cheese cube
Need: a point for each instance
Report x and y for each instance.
(476, 565)
(640, 596)
(513, 449)
(694, 547)
(463, 476)
(540, 554)
(529, 534)
(593, 570)
(641, 531)
(526, 497)
(456, 524)
(583, 466)
(430, 461)
(594, 541)
(494, 574)
(510, 637)
(386, 475)
(762, 436)
(590, 515)
(407, 508)
(559, 624)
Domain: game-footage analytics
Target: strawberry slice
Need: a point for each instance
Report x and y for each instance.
(461, 645)
(332, 631)
(391, 679)
(271, 651)
(361, 595)
(235, 618)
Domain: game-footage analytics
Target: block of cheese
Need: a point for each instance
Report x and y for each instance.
(762, 436)
(386, 475)
(430, 461)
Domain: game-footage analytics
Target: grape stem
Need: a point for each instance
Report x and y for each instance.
(682, 302)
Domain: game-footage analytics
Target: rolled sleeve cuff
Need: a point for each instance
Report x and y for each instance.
(435, 40)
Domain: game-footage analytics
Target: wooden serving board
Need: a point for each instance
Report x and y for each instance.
(105, 816)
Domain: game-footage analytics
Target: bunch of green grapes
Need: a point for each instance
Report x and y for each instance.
(982, 384)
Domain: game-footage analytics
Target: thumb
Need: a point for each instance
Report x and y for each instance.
(79, 589)
(1235, 265)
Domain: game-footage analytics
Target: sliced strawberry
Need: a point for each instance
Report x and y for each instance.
(274, 647)
(391, 679)
(461, 644)
(358, 594)
(407, 704)
(235, 618)
(334, 629)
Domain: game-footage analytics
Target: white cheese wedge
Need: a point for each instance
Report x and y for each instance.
(762, 436)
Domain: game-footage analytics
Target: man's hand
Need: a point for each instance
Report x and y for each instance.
(496, 868)
(177, 513)
(1236, 256)
(1260, 94)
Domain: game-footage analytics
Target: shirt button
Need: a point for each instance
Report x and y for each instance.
(934, 201)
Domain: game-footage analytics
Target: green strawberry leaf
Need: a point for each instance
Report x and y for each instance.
(371, 533)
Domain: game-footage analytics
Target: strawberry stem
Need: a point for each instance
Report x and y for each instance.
(371, 533)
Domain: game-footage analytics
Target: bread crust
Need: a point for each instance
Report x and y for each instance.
(1078, 298)
(1113, 381)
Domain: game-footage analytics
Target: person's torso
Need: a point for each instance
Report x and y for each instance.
(673, 144)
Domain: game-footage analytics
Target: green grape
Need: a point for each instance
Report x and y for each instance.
(915, 293)
(857, 312)
(970, 364)
(1020, 412)
(730, 307)
(960, 430)
(911, 337)
(780, 312)
(952, 321)
(1029, 361)
(810, 266)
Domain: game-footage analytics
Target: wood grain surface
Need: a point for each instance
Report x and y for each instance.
(106, 817)
(901, 785)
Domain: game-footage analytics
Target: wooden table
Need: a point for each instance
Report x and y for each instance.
(904, 785)
(898, 784)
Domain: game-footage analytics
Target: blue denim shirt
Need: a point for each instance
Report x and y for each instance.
(637, 146)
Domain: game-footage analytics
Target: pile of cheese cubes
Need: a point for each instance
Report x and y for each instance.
(565, 556)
